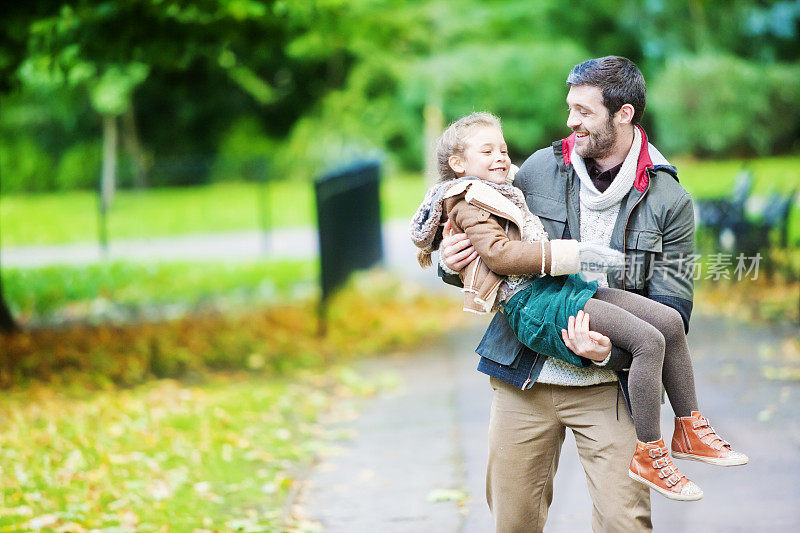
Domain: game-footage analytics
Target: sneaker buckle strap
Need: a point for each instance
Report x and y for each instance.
(673, 479)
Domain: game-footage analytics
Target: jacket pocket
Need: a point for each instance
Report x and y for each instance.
(552, 213)
(640, 246)
(644, 240)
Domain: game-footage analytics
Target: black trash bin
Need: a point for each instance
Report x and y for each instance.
(349, 223)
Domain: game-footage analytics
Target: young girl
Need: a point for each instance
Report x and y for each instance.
(535, 282)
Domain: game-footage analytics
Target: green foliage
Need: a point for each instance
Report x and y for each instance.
(523, 84)
(79, 167)
(111, 94)
(25, 166)
(715, 105)
(320, 82)
(245, 152)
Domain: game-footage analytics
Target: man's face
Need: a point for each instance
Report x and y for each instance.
(589, 119)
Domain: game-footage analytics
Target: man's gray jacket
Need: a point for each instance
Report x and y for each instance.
(655, 228)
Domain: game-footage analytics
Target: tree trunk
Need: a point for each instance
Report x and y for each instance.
(130, 137)
(108, 180)
(434, 124)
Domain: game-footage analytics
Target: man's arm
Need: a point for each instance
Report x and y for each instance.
(671, 280)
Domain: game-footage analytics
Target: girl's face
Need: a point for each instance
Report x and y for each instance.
(485, 157)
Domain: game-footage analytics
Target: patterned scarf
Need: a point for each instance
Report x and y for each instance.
(427, 223)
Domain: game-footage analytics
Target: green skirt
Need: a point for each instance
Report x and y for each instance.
(539, 312)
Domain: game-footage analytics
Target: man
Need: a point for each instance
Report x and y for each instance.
(576, 189)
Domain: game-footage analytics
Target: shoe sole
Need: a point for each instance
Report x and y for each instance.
(718, 461)
(664, 492)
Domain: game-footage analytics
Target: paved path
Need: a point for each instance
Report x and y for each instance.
(297, 243)
(430, 434)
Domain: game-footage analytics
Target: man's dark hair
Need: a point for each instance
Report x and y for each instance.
(618, 78)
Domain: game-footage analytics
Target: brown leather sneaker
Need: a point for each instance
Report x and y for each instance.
(652, 465)
(695, 439)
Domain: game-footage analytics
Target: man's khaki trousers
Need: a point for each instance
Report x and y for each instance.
(526, 431)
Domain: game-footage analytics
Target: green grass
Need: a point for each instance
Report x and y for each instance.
(222, 456)
(47, 294)
(713, 179)
(73, 217)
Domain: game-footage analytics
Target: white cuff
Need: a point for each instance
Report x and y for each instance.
(604, 362)
(445, 268)
(565, 258)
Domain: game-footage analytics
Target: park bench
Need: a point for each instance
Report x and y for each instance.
(725, 217)
(734, 229)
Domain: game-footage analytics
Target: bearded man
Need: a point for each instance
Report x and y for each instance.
(577, 189)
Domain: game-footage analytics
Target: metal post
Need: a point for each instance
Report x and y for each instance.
(102, 222)
(263, 203)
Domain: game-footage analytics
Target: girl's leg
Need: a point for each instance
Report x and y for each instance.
(694, 438)
(677, 373)
(646, 344)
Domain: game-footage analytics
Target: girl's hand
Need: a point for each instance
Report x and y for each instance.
(456, 250)
(596, 257)
(584, 342)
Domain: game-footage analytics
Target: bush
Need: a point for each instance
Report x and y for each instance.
(720, 105)
(245, 152)
(24, 165)
(79, 167)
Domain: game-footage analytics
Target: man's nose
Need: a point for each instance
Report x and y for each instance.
(572, 120)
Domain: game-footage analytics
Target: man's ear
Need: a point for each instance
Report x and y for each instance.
(456, 164)
(625, 114)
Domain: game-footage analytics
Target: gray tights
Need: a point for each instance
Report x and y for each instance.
(653, 334)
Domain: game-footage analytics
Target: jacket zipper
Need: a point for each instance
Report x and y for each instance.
(625, 229)
(530, 372)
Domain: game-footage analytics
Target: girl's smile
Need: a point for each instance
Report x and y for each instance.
(485, 156)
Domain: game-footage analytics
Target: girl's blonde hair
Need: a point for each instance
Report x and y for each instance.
(454, 140)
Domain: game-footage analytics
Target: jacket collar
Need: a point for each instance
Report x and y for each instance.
(645, 161)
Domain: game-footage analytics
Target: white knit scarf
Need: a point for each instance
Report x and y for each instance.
(596, 200)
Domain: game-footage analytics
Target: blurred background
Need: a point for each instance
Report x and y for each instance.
(158, 222)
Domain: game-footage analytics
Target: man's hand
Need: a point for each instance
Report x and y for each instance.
(584, 342)
(456, 250)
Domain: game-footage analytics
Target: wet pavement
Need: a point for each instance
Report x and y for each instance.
(426, 440)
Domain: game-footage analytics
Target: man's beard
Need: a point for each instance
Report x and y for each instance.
(600, 143)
